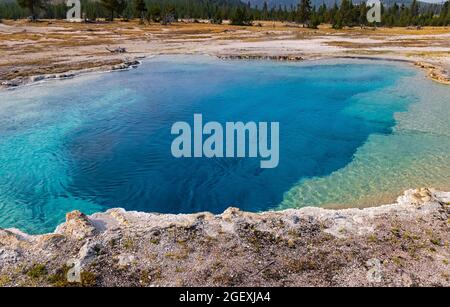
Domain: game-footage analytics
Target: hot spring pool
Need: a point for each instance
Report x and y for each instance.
(351, 132)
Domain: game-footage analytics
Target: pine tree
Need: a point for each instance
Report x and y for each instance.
(140, 8)
(333, 14)
(304, 11)
(414, 13)
(447, 20)
(111, 6)
(218, 17)
(322, 12)
(241, 17)
(362, 18)
(169, 14)
(345, 13)
(127, 11)
(314, 21)
(33, 6)
(265, 11)
(154, 14)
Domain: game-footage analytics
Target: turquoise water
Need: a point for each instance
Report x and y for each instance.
(350, 133)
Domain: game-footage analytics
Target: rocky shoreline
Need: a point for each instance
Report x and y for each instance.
(435, 73)
(402, 244)
(101, 67)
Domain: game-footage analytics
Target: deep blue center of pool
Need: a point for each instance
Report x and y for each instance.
(104, 141)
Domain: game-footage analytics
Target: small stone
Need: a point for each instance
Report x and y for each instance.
(229, 213)
(11, 83)
(37, 78)
(77, 225)
(291, 243)
(374, 274)
(125, 260)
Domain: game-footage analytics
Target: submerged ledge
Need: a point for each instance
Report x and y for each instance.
(434, 72)
(402, 244)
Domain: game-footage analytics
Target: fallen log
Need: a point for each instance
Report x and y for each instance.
(117, 50)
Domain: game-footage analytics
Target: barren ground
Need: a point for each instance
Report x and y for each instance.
(403, 244)
(55, 47)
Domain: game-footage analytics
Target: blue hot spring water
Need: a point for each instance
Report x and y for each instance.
(102, 141)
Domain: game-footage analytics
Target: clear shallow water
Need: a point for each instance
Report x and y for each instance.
(349, 131)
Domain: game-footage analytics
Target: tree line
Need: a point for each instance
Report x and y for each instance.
(349, 14)
(346, 14)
